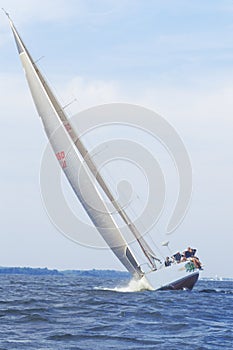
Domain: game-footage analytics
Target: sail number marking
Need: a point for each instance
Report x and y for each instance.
(61, 158)
(68, 127)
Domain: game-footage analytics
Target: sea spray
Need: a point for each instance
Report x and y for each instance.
(134, 285)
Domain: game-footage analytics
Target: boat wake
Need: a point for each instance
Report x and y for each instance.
(132, 286)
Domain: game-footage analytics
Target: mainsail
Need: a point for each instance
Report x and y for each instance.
(73, 155)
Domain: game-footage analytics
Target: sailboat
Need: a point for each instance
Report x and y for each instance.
(72, 154)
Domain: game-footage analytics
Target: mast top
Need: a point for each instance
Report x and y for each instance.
(7, 14)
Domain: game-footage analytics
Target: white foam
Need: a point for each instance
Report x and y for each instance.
(132, 286)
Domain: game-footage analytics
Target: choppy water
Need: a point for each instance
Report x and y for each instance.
(60, 312)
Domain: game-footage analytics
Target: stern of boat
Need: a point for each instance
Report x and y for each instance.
(174, 277)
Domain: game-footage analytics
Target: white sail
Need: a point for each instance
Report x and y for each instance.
(50, 127)
(71, 152)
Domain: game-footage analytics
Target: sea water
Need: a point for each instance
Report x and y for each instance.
(87, 312)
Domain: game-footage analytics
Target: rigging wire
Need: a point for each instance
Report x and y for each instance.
(133, 211)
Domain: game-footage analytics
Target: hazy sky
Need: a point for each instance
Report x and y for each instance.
(174, 57)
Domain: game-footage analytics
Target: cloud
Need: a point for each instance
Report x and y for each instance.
(205, 101)
(89, 93)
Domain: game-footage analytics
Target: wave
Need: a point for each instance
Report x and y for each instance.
(34, 318)
(215, 291)
(61, 337)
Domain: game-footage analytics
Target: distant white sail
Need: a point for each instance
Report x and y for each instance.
(71, 152)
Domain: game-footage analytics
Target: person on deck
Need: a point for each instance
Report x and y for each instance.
(189, 253)
(167, 261)
(177, 257)
(197, 262)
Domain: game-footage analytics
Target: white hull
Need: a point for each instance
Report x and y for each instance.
(176, 276)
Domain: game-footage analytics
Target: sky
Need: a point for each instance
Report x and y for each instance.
(173, 57)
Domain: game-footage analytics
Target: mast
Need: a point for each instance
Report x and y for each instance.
(49, 128)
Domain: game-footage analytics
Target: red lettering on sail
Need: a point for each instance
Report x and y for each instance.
(61, 158)
(63, 164)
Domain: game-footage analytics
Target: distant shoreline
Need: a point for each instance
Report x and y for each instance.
(55, 272)
(4, 270)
